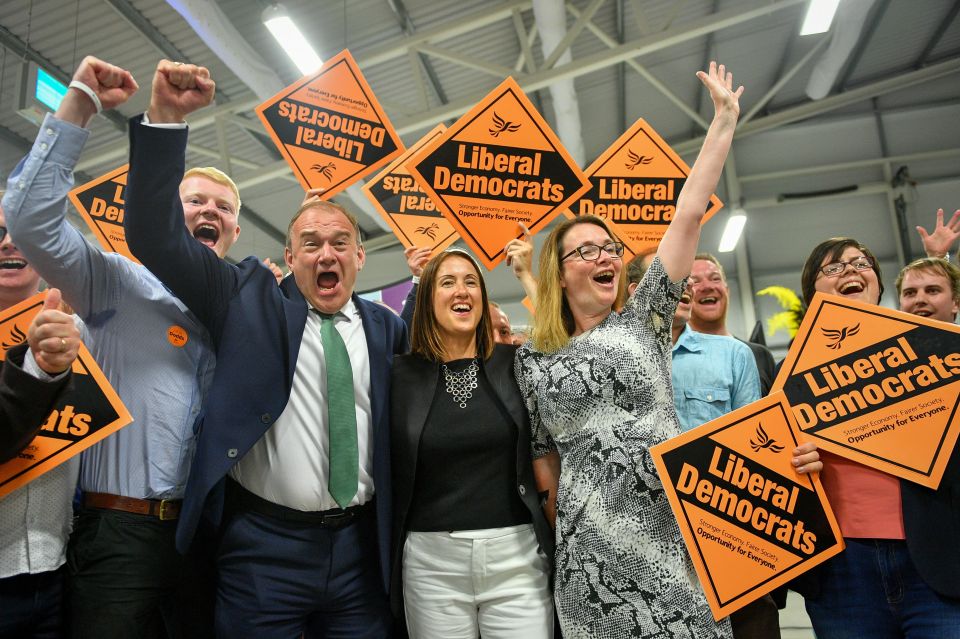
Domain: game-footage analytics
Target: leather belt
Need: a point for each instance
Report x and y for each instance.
(242, 499)
(162, 509)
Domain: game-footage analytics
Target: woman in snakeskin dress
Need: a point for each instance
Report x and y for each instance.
(596, 380)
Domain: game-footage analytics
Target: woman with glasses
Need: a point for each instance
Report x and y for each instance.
(474, 549)
(596, 379)
(874, 588)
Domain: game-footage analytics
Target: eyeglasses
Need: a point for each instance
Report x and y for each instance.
(3, 233)
(591, 252)
(862, 263)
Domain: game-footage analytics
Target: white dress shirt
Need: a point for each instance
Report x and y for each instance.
(35, 519)
(289, 465)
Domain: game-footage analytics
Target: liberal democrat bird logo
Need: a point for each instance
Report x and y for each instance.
(429, 231)
(15, 337)
(326, 170)
(840, 335)
(502, 126)
(764, 441)
(636, 159)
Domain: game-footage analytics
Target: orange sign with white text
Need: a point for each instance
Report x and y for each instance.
(100, 203)
(635, 186)
(497, 167)
(749, 520)
(877, 386)
(84, 415)
(410, 211)
(330, 128)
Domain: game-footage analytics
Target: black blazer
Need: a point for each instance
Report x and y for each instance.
(25, 402)
(256, 327)
(931, 521)
(412, 389)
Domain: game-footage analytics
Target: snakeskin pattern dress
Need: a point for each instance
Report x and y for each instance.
(602, 401)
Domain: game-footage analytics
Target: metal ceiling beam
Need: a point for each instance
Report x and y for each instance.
(406, 24)
(144, 26)
(470, 62)
(20, 48)
(707, 57)
(633, 49)
(571, 34)
(782, 79)
(923, 156)
(646, 75)
(811, 108)
(465, 25)
(938, 35)
(203, 118)
(873, 21)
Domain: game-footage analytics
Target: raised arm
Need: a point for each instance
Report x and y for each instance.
(679, 244)
(36, 201)
(154, 217)
(520, 258)
(944, 236)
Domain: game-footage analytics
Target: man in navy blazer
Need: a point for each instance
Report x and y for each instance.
(290, 558)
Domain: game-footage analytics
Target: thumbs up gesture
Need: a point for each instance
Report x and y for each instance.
(53, 337)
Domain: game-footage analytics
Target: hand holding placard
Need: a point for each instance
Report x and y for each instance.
(519, 257)
(111, 85)
(178, 90)
(53, 337)
(417, 258)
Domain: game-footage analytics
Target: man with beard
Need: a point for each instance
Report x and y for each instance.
(710, 295)
(712, 375)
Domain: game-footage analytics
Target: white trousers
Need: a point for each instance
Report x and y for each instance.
(460, 585)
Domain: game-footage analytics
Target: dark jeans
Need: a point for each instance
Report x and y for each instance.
(280, 578)
(126, 579)
(30, 606)
(872, 591)
(759, 619)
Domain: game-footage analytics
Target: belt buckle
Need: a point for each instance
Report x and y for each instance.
(162, 513)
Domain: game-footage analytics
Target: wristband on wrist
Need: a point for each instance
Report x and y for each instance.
(415, 279)
(80, 86)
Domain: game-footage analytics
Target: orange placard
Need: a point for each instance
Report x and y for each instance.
(877, 386)
(330, 128)
(406, 207)
(635, 185)
(750, 521)
(84, 415)
(100, 203)
(497, 167)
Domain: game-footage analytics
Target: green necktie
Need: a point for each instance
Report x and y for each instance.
(341, 414)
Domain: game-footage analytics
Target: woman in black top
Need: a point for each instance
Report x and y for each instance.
(473, 548)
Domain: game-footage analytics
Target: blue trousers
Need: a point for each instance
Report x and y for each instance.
(278, 579)
(31, 606)
(873, 591)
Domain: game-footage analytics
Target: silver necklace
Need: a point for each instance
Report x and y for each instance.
(460, 384)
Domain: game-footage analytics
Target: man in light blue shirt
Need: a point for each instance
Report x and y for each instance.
(712, 374)
(126, 577)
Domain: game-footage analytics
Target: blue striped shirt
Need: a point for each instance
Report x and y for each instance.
(129, 317)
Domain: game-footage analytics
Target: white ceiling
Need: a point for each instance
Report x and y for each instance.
(896, 103)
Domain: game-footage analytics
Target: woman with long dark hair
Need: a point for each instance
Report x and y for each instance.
(473, 548)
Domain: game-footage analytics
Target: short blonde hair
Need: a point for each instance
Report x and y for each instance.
(553, 323)
(937, 266)
(215, 175)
